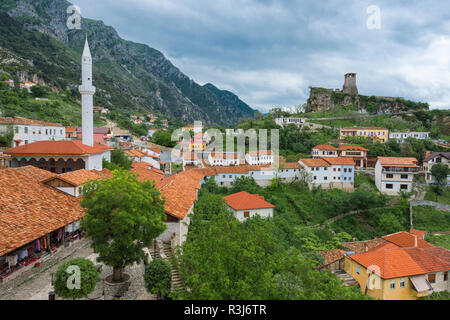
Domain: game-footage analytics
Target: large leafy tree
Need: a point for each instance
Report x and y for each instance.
(76, 278)
(227, 259)
(123, 215)
(440, 171)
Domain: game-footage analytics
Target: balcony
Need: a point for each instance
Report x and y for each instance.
(400, 170)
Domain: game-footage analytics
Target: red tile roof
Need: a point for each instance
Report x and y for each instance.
(147, 172)
(340, 161)
(402, 262)
(398, 162)
(419, 233)
(360, 246)
(246, 201)
(331, 256)
(30, 122)
(315, 162)
(325, 147)
(79, 177)
(30, 209)
(63, 147)
(404, 239)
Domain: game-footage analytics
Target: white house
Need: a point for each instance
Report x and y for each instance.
(224, 159)
(245, 205)
(59, 156)
(393, 175)
(324, 150)
(402, 136)
(357, 153)
(142, 156)
(299, 122)
(259, 157)
(330, 172)
(431, 160)
(28, 131)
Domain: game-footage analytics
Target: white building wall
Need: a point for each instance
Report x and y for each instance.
(263, 213)
(32, 133)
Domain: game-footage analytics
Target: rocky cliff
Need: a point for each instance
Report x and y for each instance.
(129, 76)
(322, 99)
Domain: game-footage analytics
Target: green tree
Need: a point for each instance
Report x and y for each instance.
(123, 216)
(158, 278)
(440, 171)
(119, 160)
(66, 285)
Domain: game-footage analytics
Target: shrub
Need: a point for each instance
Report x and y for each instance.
(158, 279)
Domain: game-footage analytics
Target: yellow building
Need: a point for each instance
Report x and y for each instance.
(375, 133)
(197, 146)
(390, 272)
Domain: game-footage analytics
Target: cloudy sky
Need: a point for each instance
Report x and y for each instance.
(270, 52)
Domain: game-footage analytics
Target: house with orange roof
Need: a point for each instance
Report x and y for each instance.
(324, 150)
(245, 205)
(395, 174)
(59, 156)
(330, 172)
(390, 272)
(144, 156)
(28, 131)
(259, 157)
(357, 153)
(71, 133)
(38, 218)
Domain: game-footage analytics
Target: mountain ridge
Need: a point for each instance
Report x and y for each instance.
(144, 77)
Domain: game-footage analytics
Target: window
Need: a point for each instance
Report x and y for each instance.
(339, 169)
(446, 276)
(402, 282)
(403, 187)
(315, 178)
(404, 176)
(246, 214)
(345, 178)
(389, 186)
(358, 270)
(389, 176)
(392, 284)
(16, 129)
(349, 170)
(334, 169)
(26, 129)
(345, 169)
(26, 141)
(325, 168)
(432, 277)
(325, 178)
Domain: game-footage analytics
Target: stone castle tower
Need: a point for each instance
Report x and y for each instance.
(87, 91)
(350, 84)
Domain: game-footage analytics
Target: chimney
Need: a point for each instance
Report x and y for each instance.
(415, 241)
(366, 247)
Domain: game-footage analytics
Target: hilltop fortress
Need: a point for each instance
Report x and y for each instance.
(322, 99)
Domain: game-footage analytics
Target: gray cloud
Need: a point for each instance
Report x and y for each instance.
(269, 52)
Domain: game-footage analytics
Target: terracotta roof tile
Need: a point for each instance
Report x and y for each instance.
(315, 162)
(79, 177)
(404, 239)
(30, 209)
(331, 256)
(402, 262)
(63, 147)
(359, 246)
(147, 172)
(340, 161)
(393, 161)
(246, 201)
(419, 233)
(325, 147)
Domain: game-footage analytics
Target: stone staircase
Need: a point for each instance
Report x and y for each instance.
(167, 254)
(345, 277)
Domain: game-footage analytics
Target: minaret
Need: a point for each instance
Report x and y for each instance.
(87, 91)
